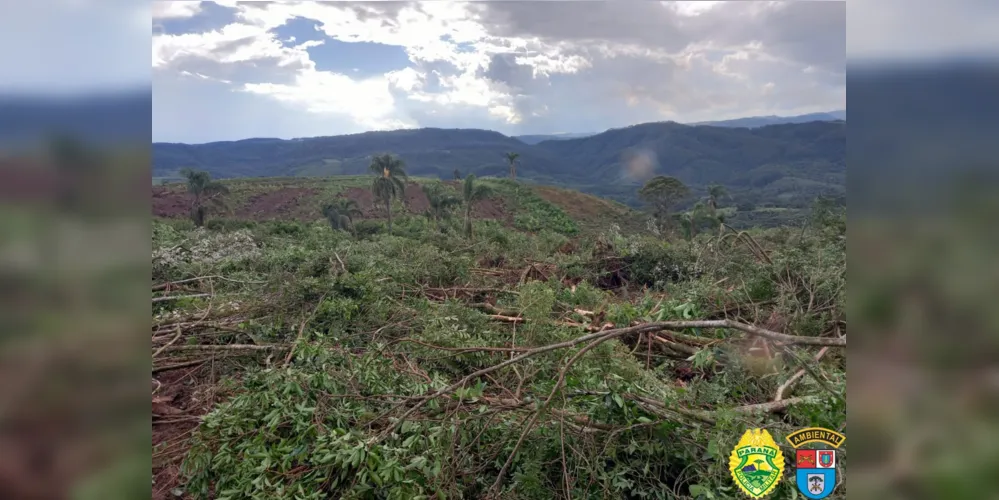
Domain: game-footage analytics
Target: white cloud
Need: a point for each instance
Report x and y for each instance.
(692, 8)
(368, 102)
(175, 9)
(921, 29)
(533, 68)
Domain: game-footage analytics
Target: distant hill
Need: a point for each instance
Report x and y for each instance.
(534, 139)
(108, 118)
(778, 165)
(762, 121)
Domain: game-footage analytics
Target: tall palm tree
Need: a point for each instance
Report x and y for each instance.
(511, 158)
(470, 194)
(206, 193)
(340, 213)
(441, 200)
(390, 181)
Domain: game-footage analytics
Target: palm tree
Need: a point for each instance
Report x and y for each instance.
(470, 194)
(511, 158)
(457, 174)
(690, 220)
(687, 225)
(206, 193)
(441, 200)
(715, 193)
(340, 213)
(389, 182)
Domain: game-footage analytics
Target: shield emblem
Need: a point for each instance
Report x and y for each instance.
(827, 458)
(816, 483)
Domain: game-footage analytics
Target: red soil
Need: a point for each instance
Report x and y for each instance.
(284, 203)
(171, 203)
(180, 396)
(302, 204)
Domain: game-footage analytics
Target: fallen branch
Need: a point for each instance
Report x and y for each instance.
(174, 297)
(506, 319)
(797, 376)
(716, 323)
(531, 353)
(685, 349)
(178, 365)
(161, 286)
(301, 329)
(228, 347)
(688, 339)
(168, 344)
(818, 379)
(709, 416)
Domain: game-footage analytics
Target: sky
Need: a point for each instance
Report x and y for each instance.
(227, 70)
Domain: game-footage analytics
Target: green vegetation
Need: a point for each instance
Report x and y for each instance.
(341, 213)
(532, 212)
(389, 183)
(662, 193)
(539, 360)
(207, 194)
(470, 194)
(511, 158)
(442, 199)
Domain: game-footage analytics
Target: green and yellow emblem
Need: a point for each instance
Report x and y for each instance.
(756, 463)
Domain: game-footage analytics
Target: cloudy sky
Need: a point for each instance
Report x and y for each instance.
(226, 70)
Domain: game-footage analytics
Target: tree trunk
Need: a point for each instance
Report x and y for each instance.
(388, 210)
(197, 215)
(468, 222)
(513, 170)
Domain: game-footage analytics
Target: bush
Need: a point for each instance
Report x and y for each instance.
(229, 224)
(653, 263)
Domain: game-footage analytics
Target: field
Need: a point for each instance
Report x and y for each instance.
(559, 352)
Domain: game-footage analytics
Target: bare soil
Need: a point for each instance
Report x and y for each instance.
(171, 202)
(180, 397)
(284, 203)
(578, 205)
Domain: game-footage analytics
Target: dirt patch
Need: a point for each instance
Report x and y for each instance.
(365, 202)
(285, 203)
(171, 203)
(415, 200)
(180, 397)
(578, 205)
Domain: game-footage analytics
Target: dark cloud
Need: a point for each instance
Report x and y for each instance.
(503, 68)
(645, 23)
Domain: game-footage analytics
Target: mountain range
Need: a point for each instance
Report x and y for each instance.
(762, 121)
(780, 165)
(748, 122)
(109, 118)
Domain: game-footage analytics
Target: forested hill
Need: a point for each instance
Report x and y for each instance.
(780, 165)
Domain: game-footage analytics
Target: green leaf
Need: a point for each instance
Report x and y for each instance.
(697, 490)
